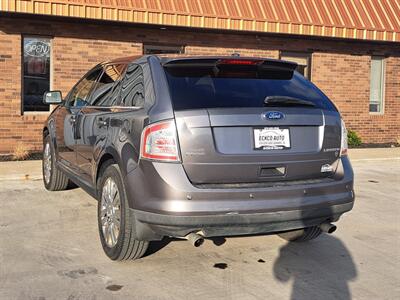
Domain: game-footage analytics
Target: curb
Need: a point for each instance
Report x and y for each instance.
(22, 177)
(374, 159)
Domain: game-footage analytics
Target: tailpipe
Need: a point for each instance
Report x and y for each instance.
(328, 227)
(195, 239)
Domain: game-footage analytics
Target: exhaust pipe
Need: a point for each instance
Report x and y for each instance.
(195, 239)
(328, 227)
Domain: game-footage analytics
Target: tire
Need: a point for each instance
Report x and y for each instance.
(302, 235)
(53, 178)
(117, 244)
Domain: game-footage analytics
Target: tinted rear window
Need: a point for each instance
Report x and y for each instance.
(236, 86)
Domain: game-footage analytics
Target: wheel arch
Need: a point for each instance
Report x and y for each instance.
(49, 130)
(45, 131)
(105, 160)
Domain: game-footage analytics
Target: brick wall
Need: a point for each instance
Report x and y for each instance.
(14, 128)
(345, 79)
(207, 50)
(73, 57)
(340, 68)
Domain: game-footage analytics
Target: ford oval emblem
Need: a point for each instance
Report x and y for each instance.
(273, 115)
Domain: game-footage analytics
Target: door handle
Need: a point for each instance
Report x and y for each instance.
(101, 122)
(72, 120)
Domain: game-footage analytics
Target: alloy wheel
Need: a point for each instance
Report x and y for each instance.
(47, 163)
(110, 212)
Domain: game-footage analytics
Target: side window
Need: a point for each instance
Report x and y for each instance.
(80, 94)
(105, 92)
(132, 90)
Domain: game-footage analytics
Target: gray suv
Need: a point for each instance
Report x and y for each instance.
(199, 147)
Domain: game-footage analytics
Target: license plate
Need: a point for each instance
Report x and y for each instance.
(271, 138)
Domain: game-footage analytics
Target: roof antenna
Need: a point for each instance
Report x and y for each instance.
(236, 54)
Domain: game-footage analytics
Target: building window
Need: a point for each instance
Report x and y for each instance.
(36, 72)
(302, 59)
(377, 84)
(161, 49)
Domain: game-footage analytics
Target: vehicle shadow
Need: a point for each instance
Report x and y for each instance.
(156, 246)
(320, 269)
(71, 186)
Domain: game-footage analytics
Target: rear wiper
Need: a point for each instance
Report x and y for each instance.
(285, 100)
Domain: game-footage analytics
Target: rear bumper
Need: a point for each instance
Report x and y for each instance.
(241, 224)
(168, 204)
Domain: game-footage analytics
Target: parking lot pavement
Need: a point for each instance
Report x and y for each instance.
(49, 249)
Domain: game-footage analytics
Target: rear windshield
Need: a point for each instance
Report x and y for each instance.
(211, 87)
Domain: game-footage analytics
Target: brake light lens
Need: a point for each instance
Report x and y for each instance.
(246, 62)
(159, 142)
(344, 146)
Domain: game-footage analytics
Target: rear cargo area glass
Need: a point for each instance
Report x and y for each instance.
(237, 86)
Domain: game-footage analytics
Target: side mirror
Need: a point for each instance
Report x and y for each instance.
(52, 97)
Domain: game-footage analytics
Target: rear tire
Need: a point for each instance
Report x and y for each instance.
(301, 235)
(53, 178)
(116, 225)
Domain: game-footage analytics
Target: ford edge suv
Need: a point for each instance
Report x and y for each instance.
(199, 147)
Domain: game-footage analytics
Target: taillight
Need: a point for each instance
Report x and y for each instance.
(159, 142)
(343, 143)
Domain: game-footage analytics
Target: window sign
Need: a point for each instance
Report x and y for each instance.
(36, 72)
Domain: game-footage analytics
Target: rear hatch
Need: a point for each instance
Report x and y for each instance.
(251, 121)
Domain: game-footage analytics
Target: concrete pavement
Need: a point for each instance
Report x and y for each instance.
(49, 249)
